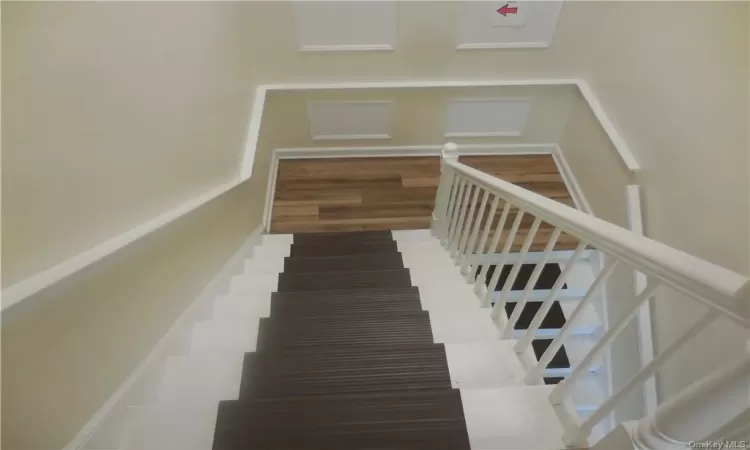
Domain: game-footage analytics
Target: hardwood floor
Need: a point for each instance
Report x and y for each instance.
(355, 194)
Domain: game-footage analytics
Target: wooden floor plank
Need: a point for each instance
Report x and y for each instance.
(355, 194)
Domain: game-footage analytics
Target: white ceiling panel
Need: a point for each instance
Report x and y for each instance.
(350, 119)
(345, 25)
(510, 24)
(486, 117)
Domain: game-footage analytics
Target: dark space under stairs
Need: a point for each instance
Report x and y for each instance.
(346, 358)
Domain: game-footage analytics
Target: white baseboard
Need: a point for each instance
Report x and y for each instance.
(119, 399)
(412, 150)
(570, 181)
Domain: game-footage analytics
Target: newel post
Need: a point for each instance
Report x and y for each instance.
(698, 411)
(449, 151)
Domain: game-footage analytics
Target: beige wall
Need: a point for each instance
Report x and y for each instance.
(113, 112)
(70, 348)
(675, 83)
(117, 111)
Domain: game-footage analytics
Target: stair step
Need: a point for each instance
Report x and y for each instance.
(343, 249)
(375, 261)
(342, 238)
(344, 280)
(345, 301)
(429, 420)
(344, 371)
(360, 330)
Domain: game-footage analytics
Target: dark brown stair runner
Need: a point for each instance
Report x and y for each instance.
(373, 261)
(345, 371)
(298, 281)
(346, 360)
(421, 420)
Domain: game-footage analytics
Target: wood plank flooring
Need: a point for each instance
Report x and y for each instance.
(356, 194)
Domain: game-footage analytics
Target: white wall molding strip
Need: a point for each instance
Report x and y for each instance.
(570, 181)
(14, 294)
(218, 284)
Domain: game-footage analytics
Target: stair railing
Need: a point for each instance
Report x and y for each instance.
(470, 235)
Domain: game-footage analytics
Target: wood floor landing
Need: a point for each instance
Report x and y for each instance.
(356, 194)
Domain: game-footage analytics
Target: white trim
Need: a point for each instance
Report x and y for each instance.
(501, 45)
(217, 284)
(645, 325)
(253, 132)
(349, 137)
(422, 84)
(347, 48)
(412, 150)
(485, 134)
(273, 172)
(571, 182)
(46, 278)
(627, 157)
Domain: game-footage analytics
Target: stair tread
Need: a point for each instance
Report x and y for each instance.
(340, 249)
(341, 371)
(344, 279)
(357, 330)
(373, 294)
(370, 261)
(362, 236)
(430, 419)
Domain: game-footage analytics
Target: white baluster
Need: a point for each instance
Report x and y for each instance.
(501, 262)
(467, 228)
(499, 307)
(480, 279)
(535, 374)
(536, 322)
(560, 392)
(521, 304)
(470, 249)
(699, 410)
(580, 436)
(445, 225)
(461, 221)
(454, 214)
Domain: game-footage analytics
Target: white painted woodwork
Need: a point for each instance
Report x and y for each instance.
(345, 26)
(480, 26)
(345, 120)
(486, 117)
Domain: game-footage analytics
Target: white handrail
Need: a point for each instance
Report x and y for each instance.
(724, 291)
(713, 285)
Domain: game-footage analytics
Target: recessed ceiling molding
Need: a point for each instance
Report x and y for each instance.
(348, 48)
(350, 120)
(501, 45)
(486, 117)
(345, 26)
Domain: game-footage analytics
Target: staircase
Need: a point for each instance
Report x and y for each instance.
(361, 345)
(434, 339)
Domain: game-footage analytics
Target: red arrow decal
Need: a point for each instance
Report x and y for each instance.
(505, 10)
